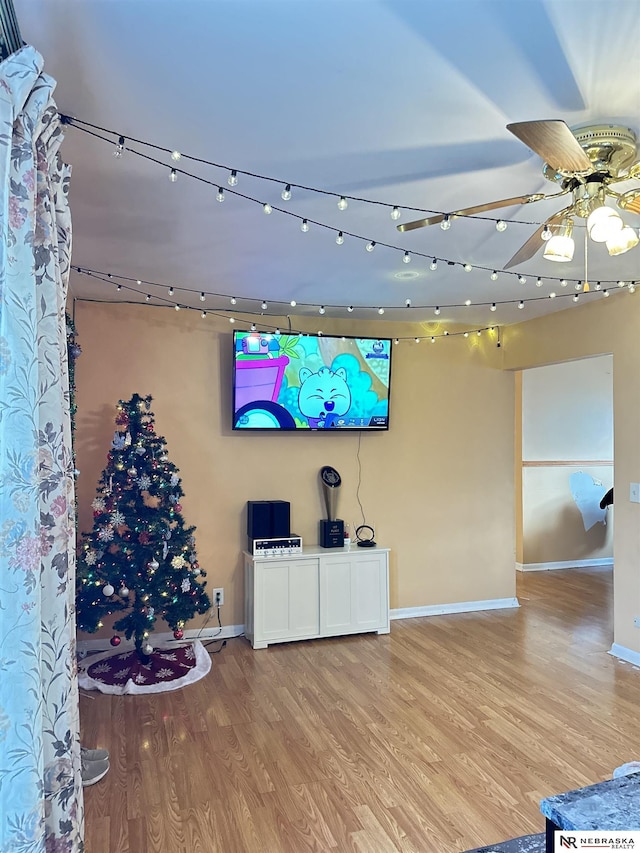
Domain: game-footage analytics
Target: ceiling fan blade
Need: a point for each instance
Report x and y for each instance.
(553, 141)
(630, 201)
(470, 211)
(535, 242)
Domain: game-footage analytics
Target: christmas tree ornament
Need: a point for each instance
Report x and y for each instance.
(132, 472)
(108, 590)
(178, 633)
(123, 592)
(115, 640)
(153, 564)
(147, 649)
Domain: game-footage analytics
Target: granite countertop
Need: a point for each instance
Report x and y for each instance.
(610, 805)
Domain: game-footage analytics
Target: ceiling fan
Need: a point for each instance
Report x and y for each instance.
(585, 163)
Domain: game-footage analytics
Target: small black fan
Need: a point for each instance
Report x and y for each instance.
(364, 536)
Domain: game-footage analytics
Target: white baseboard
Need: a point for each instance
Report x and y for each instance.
(455, 607)
(624, 653)
(564, 564)
(164, 638)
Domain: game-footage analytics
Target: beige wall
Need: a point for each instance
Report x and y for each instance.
(438, 486)
(599, 327)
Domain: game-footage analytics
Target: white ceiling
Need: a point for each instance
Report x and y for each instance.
(392, 101)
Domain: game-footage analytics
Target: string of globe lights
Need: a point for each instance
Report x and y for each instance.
(268, 327)
(141, 287)
(121, 147)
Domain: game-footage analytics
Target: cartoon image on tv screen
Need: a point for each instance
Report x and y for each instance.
(310, 382)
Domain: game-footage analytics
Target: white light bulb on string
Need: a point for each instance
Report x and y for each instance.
(522, 279)
(233, 300)
(177, 307)
(204, 314)
(436, 310)
(632, 288)
(466, 335)
(380, 310)
(417, 340)
(173, 176)
(605, 292)
(446, 223)
(343, 204)
(479, 332)
(138, 282)
(467, 302)
(395, 213)
(598, 286)
(493, 306)
(170, 291)
(220, 194)
(202, 296)
(277, 332)
(578, 285)
(521, 304)
(433, 340)
(119, 288)
(406, 258)
(232, 180)
(286, 193)
(563, 282)
(538, 282)
(340, 238)
(396, 341)
(176, 155)
(267, 208)
(407, 302)
(264, 306)
(293, 303)
(350, 309)
(445, 332)
(467, 267)
(546, 233)
(370, 246)
(232, 319)
(552, 295)
(253, 327)
(494, 276)
(147, 298)
(621, 284)
(434, 264)
(304, 226)
(119, 148)
(501, 225)
(321, 309)
(576, 297)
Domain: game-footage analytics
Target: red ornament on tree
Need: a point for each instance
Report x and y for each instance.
(143, 537)
(178, 633)
(115, 640)
(178, 507)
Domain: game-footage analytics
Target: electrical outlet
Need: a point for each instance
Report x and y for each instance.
(636, 621)
(634, 493)
(218, 596)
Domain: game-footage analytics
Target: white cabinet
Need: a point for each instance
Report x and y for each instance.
(318, 593)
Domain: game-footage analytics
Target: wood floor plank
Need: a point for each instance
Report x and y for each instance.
(441, 736)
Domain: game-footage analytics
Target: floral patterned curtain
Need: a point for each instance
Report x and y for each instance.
(41, 807)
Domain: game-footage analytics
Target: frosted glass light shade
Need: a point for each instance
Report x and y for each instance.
(623, 240)
(559, 248)
(602, 224)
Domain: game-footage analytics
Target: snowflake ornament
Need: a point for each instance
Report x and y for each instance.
(175, 479)
(117, 518)
(178, 562)
(144, 482)
(91, 558)
(105, 534)
(185, 586)
(98, 504)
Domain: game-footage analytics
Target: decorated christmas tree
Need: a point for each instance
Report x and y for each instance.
(140, 556)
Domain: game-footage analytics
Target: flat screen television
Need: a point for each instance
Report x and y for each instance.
(310, 382)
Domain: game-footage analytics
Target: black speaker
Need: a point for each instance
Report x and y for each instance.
(268, 519)
(280, 519)
(259, 519)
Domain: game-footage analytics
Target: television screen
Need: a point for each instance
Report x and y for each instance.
(302, 382)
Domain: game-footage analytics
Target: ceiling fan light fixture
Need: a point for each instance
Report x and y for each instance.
(623, 240)
(561, 246)
(603, 223)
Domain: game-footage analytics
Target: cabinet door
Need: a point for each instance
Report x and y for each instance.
(354, 593)
(287, 599)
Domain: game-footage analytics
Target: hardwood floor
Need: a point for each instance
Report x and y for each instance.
(442, 736)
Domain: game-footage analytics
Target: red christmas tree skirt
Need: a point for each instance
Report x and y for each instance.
(168, 668)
